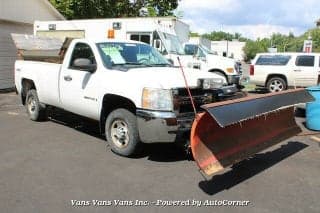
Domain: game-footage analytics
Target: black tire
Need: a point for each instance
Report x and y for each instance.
(122, 132)
(35, 110)
(276, 84)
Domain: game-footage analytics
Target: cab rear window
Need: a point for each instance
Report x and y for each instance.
(278, 60)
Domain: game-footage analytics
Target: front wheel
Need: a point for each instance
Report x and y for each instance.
(122, 132)
(276, 84)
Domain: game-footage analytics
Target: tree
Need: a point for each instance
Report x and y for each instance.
(82, 9)
(253, 47)
(220, 36)
(194, 34)
(283, 43)
(315, 36)
(163, 7)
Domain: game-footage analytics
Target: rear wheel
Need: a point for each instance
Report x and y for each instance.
(276, 84)
(35, 110)
(122, 132)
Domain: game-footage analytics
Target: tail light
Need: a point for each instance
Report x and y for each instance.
(251, 69)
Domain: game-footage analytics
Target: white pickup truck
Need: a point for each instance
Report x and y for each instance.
(130, 88)
(206, 60)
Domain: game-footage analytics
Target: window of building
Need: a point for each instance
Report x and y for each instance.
(145, 38)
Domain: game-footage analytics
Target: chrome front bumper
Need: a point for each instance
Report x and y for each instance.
(162, 127)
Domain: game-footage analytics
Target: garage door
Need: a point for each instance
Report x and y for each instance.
(7, 58)
(8, 51)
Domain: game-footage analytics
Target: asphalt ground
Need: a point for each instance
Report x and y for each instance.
(53, 166)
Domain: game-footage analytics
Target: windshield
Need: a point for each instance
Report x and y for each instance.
(130, 54)
(172, 43)
(207, 51)
(194, 49)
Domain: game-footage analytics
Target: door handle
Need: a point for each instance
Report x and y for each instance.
(297, 70)
(67, 78)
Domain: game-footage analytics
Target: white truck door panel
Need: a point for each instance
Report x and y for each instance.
(200, 63)
(78, 92)
(79, 88)
(305, 72)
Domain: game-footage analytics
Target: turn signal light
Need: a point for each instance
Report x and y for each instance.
(110, 33)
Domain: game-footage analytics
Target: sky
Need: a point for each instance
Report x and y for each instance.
(251, 18)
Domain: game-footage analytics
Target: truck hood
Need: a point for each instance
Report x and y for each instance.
(220, 61)
(168, 77)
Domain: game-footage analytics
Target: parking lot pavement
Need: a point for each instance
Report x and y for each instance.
(52, 166)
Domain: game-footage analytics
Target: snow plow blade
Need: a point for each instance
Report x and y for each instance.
(231, 131)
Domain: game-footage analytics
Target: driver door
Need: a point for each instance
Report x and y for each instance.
(78, 87)
(199, 60)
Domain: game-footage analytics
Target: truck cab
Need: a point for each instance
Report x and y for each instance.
(205, 59)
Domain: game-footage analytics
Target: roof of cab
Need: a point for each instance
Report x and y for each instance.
(108, 40)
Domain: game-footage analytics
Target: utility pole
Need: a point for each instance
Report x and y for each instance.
(227, 46)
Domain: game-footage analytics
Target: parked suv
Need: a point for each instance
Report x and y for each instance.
(280, 71)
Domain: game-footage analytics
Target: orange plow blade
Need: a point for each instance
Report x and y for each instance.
(231, 131)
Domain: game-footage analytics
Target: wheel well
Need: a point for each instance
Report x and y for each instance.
(27, 84)
(276, 75)
(111, 102)
(219, 71)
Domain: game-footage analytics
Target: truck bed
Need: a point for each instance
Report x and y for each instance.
(34, 48)
(45, 75)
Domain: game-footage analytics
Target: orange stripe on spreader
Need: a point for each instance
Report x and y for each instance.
(224, 154)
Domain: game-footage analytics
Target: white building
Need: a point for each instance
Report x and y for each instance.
(229, 48)
(17, 16)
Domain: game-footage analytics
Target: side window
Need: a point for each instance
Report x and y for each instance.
(305, 61)
(145, 38)
(201, 53)
(134, 37)
(277, 60)
(82, 50)
(190, 49)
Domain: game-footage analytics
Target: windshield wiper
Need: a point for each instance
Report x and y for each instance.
(162, 64)
(133, 63)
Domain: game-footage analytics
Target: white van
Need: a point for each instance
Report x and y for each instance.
(280, 71)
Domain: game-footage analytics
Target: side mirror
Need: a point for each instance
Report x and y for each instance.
(157, 44)
(204, 59)
(84, 64)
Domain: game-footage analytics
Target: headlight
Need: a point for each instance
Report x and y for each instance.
(210, 83)
(157, 99)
